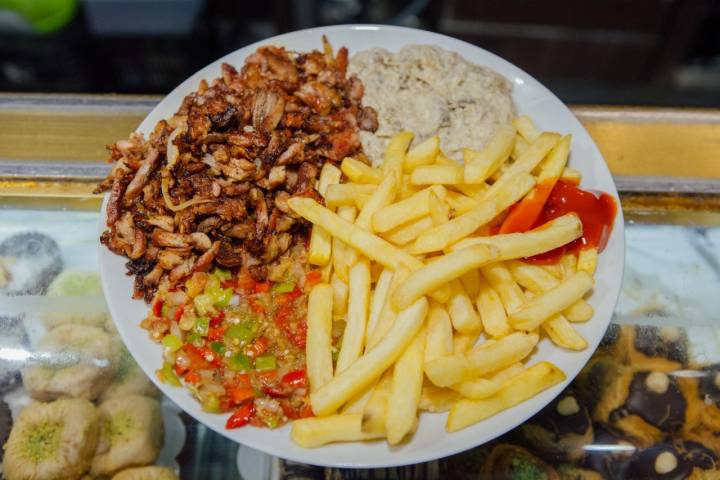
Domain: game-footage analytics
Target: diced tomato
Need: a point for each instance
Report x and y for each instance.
(217, 319)
(283, 314)
(192, 377)
(157, 307)
(179, 313)
(306, 412)
(288, 410)
(268, 377)
(300, 335)
(262, 287)
(229, 284)
(217, 333)
(226, 404)
(240, 394)
(242, 379)
(245, 281)
(241, 417)
(295, 293)
(313, 277)
(295, 379)
(258, 347)
(181, 369)
(256, 306)
(196, 356)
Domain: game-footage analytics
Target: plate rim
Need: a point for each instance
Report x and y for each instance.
(400, 458)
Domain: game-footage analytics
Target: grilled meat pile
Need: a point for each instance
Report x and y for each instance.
(210, 185)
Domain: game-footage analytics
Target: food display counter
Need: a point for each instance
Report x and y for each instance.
(646, 406)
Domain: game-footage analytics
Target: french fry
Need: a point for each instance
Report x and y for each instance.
(571, 175)
(439, 336)
(480, 165)
(551, 302)
(380, 198)
(476, 190)
(368, 244)
(439, 211)
(464, 342)
(537, 280)
(458, 228)
(587, 260)
(460, 203)
(524, 215)
(436, 399)
(367, 368)
(471, 283)
(477, 388)
(379, 297)
(554, 269)
(569, 264)
(422, 154)
(563, 334)
(407, 232)
(526, 128)
(522, 387)
(388, 313)
(438, 174)
(482, 360)
(347, 193)
(315, 432)
(340, 292)
(395, 155)
(320, 247)
(492, 311)
(353, 339)
(326, 272)
(436, 274)
(521, 145)
(502, 376)
(462, 312)
(549, 236)
(358, 403)
(358, 172)
(407, 189)
(411, 208)
(526, 162)
(501, 280)
(375, 411)
(342, 255)
(401, 413)
(318, 357)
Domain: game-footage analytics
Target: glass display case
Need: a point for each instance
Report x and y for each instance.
(646, 406)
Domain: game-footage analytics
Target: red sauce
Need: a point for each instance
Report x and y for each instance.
(596, 212)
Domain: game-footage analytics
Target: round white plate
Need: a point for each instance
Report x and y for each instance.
(430, 441)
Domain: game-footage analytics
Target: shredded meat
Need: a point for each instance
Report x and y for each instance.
(210, 185)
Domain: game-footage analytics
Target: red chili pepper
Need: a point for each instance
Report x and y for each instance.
(262, 287)
(229, 284)
(157, 307)
(181, 370)
(300, 336)
(288, 410)
(245, 280)
(217, 319)
(241, 417)
(217, 333)
(313, 277)
(226, 404)
(179, 313)
(295, 379)
(268, 377)
(196, 356)
(274, 392)
(295, 293)
(306, 412)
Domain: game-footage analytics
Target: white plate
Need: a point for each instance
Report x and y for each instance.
(430, 441)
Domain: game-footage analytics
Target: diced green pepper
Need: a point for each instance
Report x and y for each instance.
(202, 326)
(212, 404)
(218, 347)
(165, 311)
(284, 287)
(265, 362)
(244, 332)
(271, 421)
(167, 375)
(203, 304)
(239, 363)
(223, 297)
(212, 285)
(194, 339)
(172, 343)
(222, 274)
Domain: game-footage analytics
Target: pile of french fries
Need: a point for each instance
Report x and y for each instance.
(439, 314)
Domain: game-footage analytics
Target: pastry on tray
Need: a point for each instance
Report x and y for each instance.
(34, 261)
(510, 462)
(610, 454)
(146, 473)
(652, 347)
(648, 405)
(674, 460)
(560, 430)
(14, 336)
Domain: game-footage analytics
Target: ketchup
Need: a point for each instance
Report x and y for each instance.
(597, 214)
